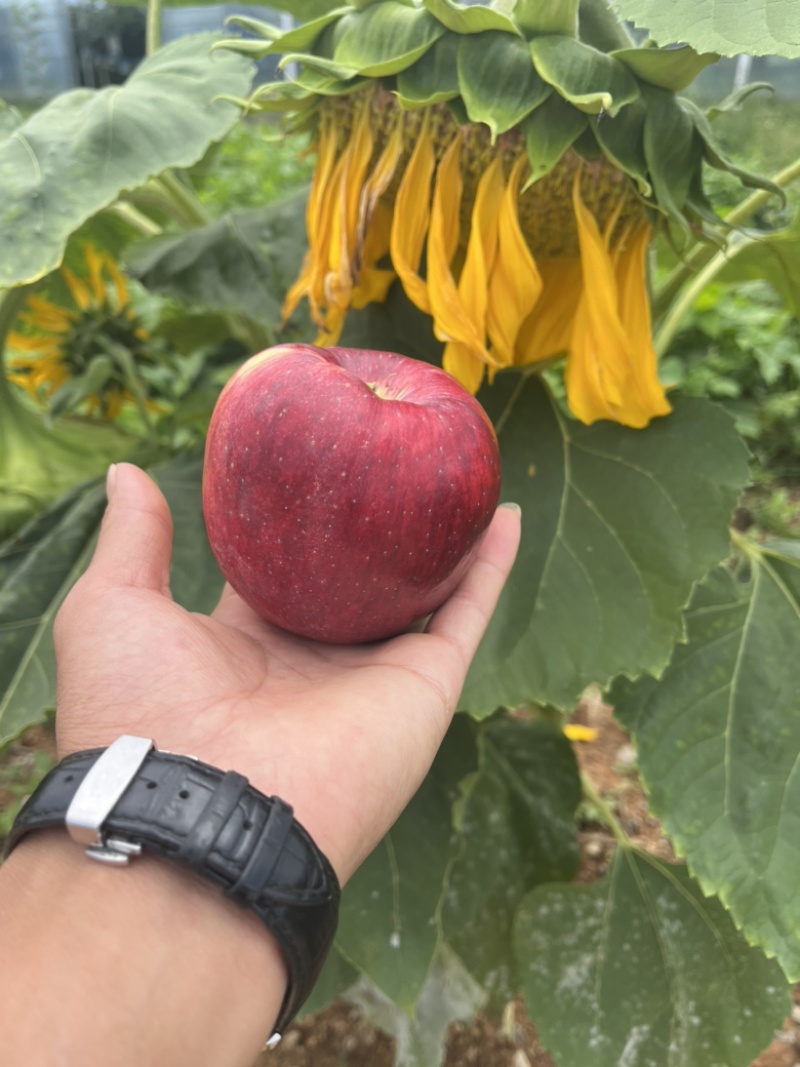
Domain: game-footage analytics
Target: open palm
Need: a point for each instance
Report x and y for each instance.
(343, 733)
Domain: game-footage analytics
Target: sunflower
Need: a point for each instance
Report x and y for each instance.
(509, 170)
(84, 355)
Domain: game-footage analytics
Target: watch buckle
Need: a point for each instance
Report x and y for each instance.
(114, 850)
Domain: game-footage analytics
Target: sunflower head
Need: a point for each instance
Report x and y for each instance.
(509, 170)
(83, 356)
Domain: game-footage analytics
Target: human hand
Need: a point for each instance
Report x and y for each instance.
(345, 734)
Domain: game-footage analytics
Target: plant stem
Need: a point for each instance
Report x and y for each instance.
(135, 218)
(609, 818)
(701, 253)
(184, 199)
(153, 31)
(683, 305)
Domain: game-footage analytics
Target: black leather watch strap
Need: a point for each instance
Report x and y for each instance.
(219, 826)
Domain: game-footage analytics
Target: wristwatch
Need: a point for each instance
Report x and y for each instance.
(132, 798)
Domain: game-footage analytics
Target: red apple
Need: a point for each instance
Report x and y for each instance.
(345, 491)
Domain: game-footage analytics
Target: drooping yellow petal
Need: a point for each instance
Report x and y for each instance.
(453, 320)
(515, 284)
(458, 360)
(547, 331)
(79, 289)
(412, 213)
(374, 282)
(47, 316)
(599, 365)
(375, 186)
(94, 261)
(634, 309)
(344, 230)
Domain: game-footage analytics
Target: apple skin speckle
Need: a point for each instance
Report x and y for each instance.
(345, 490)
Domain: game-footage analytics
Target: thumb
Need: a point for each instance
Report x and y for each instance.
(135, 543)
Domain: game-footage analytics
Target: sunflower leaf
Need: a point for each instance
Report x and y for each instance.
(641, 969)
(76, 155)
(516, 828)
(243, 262)
(622, 139)
(392, 901)
(498, 83)
(387, 38)
(619, 524)
(593, 81)
(772, 257)
(30, 595)
(49, 557)
(718, 738)
(758, 27)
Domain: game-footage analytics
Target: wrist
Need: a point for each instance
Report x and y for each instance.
(195, 978)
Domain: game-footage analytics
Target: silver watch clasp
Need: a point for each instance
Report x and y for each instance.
(97, 795)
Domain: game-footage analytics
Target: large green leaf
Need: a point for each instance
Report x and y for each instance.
(38, 568)
(389, 918)
(516, 827)
(617, 526)
(83, 149)
(719, 745)
(589, 79)
(243, 262)
(759, 27)
(301, 9)
(498, 83)
(641, 970)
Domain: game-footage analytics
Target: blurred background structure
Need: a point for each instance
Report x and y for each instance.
(47, 46)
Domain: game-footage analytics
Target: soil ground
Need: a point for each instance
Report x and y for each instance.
(339, 1037)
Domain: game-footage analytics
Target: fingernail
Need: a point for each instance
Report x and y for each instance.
(511, 506)
(111, 478)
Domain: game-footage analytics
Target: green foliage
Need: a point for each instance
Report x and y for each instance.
(742, 349)
(618, 527)
(718, 738)
(166, 115)
(18, 779)
(468, 898)
(642, 969)
(757, 26)
(253, 166)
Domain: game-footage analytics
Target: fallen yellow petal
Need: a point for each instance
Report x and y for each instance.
(580, 733)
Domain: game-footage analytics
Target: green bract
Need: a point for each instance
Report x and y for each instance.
(564, 74)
